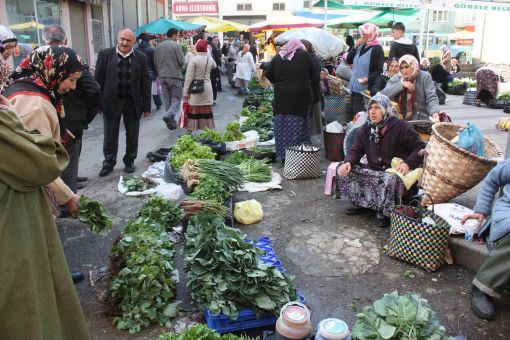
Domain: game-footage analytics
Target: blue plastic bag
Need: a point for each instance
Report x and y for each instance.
(471, 139)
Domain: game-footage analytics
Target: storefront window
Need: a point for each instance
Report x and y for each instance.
(27, 19)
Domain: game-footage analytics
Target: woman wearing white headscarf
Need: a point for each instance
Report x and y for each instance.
(382, 138)
(446, 58)
(414, 90)
(8, 43)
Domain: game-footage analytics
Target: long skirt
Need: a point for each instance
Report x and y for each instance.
(200, 117)
(371, 189)
(316, 119)
(486, 85)
(290, 130)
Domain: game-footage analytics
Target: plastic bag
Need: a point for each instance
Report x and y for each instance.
(334, 127)
(248, 212)
(453, 214)
(471, 139)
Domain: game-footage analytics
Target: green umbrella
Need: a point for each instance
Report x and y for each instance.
(380, 18)
(162, 25)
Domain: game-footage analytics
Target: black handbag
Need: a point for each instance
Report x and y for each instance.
(197, 85)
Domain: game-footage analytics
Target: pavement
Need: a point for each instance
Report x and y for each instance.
(311, 235)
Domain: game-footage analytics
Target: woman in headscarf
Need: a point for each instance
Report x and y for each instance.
(367, 59)
(200, 114)
(37, 299)
(487, 82)
(414, 90)
(382, 138)
(391, 70)
(446, 58)
(8, 43)
(39, 82)
(291, 72)
(245, 68)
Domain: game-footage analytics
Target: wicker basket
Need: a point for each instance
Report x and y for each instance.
(336, 85)
(449, 170)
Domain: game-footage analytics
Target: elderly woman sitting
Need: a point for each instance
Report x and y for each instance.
(414, 90)
(382, 138)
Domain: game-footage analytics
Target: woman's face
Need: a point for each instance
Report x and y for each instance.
(9, 49)
(323, 74)
(393, 68)
(406, 70)
(375, 113)
(69, 84)
(364, 38)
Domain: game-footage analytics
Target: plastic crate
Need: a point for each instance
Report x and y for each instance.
(247, 318)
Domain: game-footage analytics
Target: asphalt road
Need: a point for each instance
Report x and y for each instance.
(309, 231)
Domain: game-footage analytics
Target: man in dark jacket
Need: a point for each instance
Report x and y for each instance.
(401, 45)
(215, 72)
(124, 78)
(146, 48)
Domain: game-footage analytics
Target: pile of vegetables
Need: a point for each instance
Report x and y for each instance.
(505, 96)
(162, 211)
(257, 98)
(255, 170)
(211, 189)
(146, 282)
(194, 207)
(463, 82)
(199, 332)
(138, 183)
(261, 120)
(237, 157)
(254, 83)
(398, 317)
(210, 134)
(233, 132)
(93, 213)
(229, 174)
(225, 273)
(186, 148)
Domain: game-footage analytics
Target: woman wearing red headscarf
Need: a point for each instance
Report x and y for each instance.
(200, 115)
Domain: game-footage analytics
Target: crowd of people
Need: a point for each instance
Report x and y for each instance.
(55, 95)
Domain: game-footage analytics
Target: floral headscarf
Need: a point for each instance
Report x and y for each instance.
(385, 104)
(408, 98)
(371, 31)
(47, 67)
(290, 48)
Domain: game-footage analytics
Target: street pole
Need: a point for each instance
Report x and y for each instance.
(423, 15)
(326, 15)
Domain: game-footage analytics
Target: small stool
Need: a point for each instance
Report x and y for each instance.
(330, 176)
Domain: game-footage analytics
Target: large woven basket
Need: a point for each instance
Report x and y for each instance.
(448, 170)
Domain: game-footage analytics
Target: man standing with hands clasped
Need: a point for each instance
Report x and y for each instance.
(122, 73)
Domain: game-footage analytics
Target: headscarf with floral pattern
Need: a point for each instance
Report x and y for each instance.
(47, 67)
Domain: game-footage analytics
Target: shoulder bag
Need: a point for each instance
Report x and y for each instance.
(197, 85)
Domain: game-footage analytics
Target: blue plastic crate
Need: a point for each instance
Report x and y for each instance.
(247, 318)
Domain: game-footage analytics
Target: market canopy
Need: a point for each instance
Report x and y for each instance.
(217, 25)
(285, 21)
(324, 43)
(26, 25)
(380, 18)
(162, 25)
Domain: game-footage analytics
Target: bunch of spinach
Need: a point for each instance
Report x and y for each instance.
(261, 120)
(237, 157)
(138, 183)
(210, 134)
(211, 188)
(160, 210)
(198, 332)
(233, 132)
(146, 284)
(257, 98)
(398, 317)
(186, 148)
(93, 213)
(225, 273)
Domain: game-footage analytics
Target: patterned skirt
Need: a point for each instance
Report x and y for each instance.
(290, 130)
(200, 117)
(377, 190)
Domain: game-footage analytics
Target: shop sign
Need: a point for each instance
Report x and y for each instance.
(382, 3)
(197, 7)
(473, 6)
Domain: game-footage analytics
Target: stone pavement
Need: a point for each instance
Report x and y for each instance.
(338, 260)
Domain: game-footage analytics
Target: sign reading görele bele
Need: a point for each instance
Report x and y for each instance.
(196, 7)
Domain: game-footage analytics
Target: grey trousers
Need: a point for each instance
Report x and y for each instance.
(230, 73)
(70, 174)
(171, 91)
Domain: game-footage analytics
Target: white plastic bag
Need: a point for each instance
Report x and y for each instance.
(170, 191)
(453, 214)
(334, 127)
(275, 182)
(248, 212)
(250, 141)
(122, 189)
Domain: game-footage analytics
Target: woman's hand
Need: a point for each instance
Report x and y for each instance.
(72, 205)
(403, 168)
(344, 169)
(474, 216)
(408, 85)
(5, 102)
(363, 80)
(435, 116)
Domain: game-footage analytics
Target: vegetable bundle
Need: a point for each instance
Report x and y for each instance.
(255, 170)
(233, 132)
(260, 118)
(210, 134)
(195, 207)
(211, 189)
(186, 148)
(198, 332)
(93, 213)
(225, 273)
(162, 211)
(257, 98)
(230, 175)
(138, 183)
(145, 286)
(237, 157)
(398, 317)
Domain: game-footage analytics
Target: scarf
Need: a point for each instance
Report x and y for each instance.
(290, 49)
(377, 130)
(407, 97)
(371, 31)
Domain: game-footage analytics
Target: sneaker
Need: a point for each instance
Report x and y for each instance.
(355, 210)
(170, 123)
(482, 304)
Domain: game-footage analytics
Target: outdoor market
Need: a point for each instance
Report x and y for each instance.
(327, 173)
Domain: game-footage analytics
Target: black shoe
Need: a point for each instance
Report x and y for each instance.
(80, 185)
(64, 212)
(105, 171)
(130, 167)
(355, 210)
(381, 220)
(170, 123)
(82, 179)
(77, 276)
(482, 304)
(158, 107)
(221, 90)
